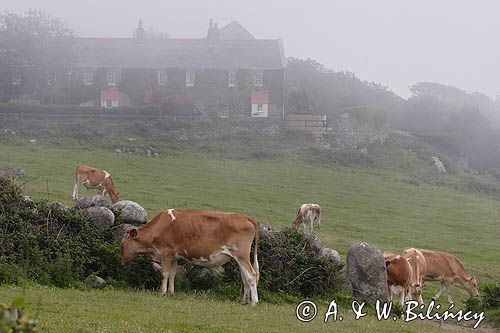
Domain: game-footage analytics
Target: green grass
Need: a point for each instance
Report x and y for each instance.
(357, 204)
(60, 310)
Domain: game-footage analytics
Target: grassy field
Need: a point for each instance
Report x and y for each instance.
(376, 206)
(59, 310)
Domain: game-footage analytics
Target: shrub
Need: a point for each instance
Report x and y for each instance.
(341, 157)
(489, 301)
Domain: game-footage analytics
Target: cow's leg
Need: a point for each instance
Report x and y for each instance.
(443, 288)
(171, 277)
(74, 196)
(246, 289)
(250, 276)
(448, 292)
(165, 271)
(401, 295)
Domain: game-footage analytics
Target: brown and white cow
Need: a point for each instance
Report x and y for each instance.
(97, 178)
(448, 269)
(309, 215)
(418, 265)
(399, 276)
(206, 238)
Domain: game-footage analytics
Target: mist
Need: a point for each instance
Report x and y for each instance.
(395, 43)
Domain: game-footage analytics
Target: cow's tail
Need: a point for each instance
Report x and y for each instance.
(255, 264)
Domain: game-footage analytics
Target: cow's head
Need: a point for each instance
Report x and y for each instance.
(471, 286)
(416, 291)
(130, 246)
(115, 196)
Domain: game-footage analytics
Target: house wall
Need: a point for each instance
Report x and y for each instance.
(211, 92)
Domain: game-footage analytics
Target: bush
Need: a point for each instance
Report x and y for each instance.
(61, 248)
(489, 301)
(341, 157)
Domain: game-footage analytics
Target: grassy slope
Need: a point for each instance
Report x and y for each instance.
(357, 204)
(128, 311)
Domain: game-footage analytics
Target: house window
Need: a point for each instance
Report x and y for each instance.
(88, 78)
(111, 78)
(231, 79)
(260, 107)
(51, 78)
(189, 79)
(109, 103)
(16, 80)
(257, 80)
(69, 75)
(162, 78)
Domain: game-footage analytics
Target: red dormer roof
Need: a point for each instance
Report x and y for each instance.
(109, 95)
(260, 97)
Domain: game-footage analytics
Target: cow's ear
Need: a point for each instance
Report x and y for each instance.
(387, 263)
(132, 233)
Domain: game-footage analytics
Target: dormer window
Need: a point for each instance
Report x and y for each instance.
(111, 78)
(190, 77)
(162, 78)
(88, 78)
(231, 80)
(258, 80)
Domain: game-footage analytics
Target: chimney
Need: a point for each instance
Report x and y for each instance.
(140, 31)
(213, 31)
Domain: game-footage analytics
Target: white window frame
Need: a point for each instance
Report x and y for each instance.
(69, 75)
(162, 78)
(109, 103)
(111, 78)
(88, 78)
(258, 79)
(190, 79)
(51, 78)
(260, 107)
(231, 79)
(16, 80)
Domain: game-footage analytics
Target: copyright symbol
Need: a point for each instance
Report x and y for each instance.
(306, 311)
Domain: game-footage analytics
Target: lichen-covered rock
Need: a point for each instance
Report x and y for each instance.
(266, 230)
(120, 230)
(83, 202)
(95, 281)
(366, 271)
(58, 206)
(130, 212)
(314, 244)
(101, 217)
(331, 255)
(100, 201)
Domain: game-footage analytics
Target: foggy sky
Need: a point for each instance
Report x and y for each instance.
(393, 42)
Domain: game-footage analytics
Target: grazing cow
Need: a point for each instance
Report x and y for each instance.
(209, 239)
(399, 276)
(95, 178)
(308, 215)
(448, 269)
(418, 264)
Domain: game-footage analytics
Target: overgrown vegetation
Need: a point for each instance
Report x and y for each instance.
(488, 301)
(61, 247)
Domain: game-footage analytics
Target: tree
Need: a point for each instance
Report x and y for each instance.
(32, 45)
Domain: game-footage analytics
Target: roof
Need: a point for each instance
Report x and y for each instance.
(256, 54)
(260, 97)
(235, 30)
(109, 95)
